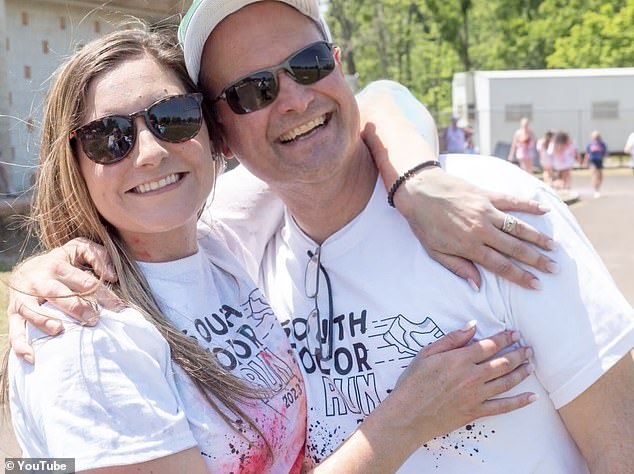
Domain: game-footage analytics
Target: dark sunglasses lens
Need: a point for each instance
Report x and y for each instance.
(107, 140)
(313, 63)
(177, 119)
(252, 93)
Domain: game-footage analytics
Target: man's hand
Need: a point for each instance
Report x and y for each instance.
(59, 277)
(458, 224)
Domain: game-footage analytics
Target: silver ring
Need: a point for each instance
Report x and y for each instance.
(509, 224)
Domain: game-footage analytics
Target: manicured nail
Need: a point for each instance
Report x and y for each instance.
(530, 368)
(54, 326)
(552, 267)
(543, 208)
(469, 326)
(532, 397)
(535, 284)
(550, 244)
(515, 336)
(29, 358)
(529, 352)
(473, 286)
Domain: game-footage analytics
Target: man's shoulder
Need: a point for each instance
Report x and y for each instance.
(491, 173)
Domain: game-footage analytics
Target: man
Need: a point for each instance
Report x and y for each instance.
(455, 138)
(365, 296)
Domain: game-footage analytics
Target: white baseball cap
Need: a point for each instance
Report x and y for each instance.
(204, 15)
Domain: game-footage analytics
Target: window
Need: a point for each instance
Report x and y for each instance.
(97, 27)
(45, 47)
(605, 110)
(515, 112)
(62, 22)
(25, 18)
(27, 72)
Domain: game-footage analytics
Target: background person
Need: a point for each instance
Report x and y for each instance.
(629, 149)
(454, 137)
(595, 152)
(564, 153)
(545, 158)
(522, 149)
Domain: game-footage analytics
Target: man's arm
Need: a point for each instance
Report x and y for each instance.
(601, 420)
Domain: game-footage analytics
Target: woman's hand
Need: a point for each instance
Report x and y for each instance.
(459, 225)
(59, 277)
(446, 386)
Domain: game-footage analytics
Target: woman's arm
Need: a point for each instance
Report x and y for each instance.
(435, 405)
(455, 221)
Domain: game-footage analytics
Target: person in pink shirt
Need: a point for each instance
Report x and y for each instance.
(523, 146)
(564, 154)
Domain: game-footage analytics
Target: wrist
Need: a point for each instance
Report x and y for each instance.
(400, 181)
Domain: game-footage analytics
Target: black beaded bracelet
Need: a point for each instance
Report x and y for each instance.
(408, 174)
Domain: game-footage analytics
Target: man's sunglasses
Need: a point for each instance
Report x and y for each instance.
(258, 89)
(109, 139)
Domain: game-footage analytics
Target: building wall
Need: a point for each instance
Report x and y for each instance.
(35, 37)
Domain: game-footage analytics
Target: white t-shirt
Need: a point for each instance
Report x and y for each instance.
(110, 395)
(390, 299)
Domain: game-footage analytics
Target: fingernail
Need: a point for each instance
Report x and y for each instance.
(515, 336)
(469, 326)
(473, 286)
(530, 368)
(552, 267)
(543, 208)
(54, 326)
(29, 358)
(529, 352)
(532, 397)
(550, 244)
(535, 284)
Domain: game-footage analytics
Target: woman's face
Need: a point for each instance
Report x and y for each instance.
(153, 195)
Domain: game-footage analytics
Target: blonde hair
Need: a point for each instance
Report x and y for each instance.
(62, 208)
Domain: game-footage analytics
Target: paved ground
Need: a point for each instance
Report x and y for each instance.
(608, 221)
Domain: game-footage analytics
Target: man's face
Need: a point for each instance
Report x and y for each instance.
(305, 135)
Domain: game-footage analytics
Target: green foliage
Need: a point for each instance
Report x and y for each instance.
(423, 43)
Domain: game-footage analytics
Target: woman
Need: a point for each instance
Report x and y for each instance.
(195, 374)
(564, 155)
(595, 152)
(545, 158)
(523, 146)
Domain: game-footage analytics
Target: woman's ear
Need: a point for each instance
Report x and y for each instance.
(336, 52)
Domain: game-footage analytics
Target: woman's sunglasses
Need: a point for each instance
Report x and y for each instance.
(260, 88)
(109, 139)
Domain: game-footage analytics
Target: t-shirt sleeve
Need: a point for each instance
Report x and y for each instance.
(579, 324)
(248, 206)
(103, 395)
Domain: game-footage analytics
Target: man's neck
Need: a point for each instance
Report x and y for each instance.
(322, 209)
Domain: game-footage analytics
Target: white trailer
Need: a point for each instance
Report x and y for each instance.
(577, 101)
